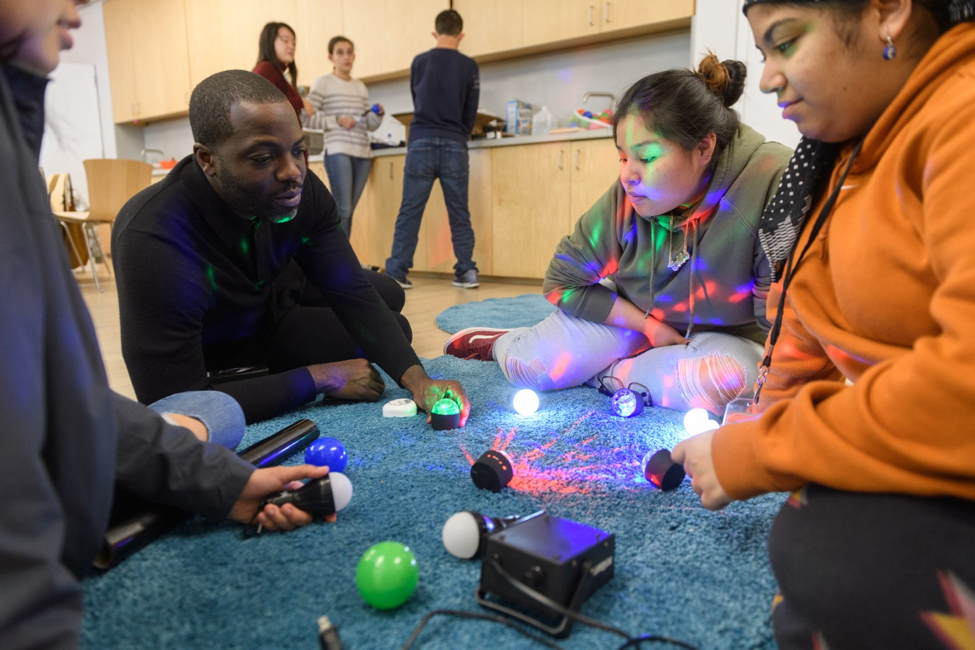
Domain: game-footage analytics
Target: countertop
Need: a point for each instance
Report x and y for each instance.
(592, 134)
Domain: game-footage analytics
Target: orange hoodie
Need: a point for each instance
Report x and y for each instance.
(885, 298)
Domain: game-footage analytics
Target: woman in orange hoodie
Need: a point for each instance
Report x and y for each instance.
(867, 396)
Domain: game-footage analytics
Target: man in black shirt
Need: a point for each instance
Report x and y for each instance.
(201, 259)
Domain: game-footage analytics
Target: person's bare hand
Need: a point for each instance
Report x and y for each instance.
(427, 392)
(352, 379)
(307, 105)
(695, 455)
(661, 335)
(268, 482)
(346, 122)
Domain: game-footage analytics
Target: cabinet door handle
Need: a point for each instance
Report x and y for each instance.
(577, 159)
(390, 171)
(560, 158)
(591, 7)
(606, 11)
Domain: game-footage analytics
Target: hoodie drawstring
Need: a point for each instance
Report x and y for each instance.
(692, 225)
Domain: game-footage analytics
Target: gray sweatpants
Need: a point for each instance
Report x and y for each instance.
(563, 351)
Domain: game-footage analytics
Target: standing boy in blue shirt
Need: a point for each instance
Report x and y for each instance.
(445, 87)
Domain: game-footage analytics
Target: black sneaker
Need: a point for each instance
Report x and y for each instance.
(467, 279)
(403, 282)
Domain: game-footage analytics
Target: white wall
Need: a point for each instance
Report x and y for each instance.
(89, 47)
(720, 26)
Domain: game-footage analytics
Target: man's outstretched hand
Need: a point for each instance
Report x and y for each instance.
(427, 392)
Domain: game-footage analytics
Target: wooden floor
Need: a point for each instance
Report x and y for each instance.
(430, 295)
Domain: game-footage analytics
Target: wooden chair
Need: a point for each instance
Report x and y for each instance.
(110, 184)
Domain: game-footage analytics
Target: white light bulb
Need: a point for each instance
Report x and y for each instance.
(526, 401)
(341, 489)
(697, 421)
(461, 536)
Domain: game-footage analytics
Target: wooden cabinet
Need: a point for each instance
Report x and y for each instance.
(509, 25)
(529, 206)
(224, 34)
(595, 167)
(523, 199)
(316, 23)
(375, 217)
(626, 14)
(148, 55)
(558, 20)
(491, 27)
(389, 33)
(318, 168)
(439, 253)
(121, 62)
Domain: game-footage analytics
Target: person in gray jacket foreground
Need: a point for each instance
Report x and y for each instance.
(65, 438)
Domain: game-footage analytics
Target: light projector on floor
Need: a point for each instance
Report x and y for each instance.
(542, 562)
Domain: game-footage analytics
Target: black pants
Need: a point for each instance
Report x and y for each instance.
(309, 333)
(298, 339)
(858, 571)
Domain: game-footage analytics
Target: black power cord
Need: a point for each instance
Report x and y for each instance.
(542, 599)
(479, 616)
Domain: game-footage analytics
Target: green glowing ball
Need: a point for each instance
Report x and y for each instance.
(446, 406)
(387, 575)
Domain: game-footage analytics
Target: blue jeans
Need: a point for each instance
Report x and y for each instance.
(426, 160)
(563, 351)
(220, 412)
(347, 176)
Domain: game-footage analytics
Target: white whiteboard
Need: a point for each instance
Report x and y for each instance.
(72, 125)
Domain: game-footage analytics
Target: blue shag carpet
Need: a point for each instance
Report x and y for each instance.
(681, 571)
(502, 313)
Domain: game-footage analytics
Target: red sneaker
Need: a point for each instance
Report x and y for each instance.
(473, 343)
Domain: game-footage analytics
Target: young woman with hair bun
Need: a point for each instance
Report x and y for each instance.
(663, 282)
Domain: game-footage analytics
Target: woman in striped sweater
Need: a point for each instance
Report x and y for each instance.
(343, 112)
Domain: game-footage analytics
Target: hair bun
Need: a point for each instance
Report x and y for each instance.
(726, 79)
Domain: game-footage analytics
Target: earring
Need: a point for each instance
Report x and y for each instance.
(889, 51)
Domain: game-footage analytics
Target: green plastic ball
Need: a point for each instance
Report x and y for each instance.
(387, 575)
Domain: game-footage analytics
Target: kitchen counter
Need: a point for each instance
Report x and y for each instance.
(592, 134)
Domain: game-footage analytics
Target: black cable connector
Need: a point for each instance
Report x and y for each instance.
(328, 634)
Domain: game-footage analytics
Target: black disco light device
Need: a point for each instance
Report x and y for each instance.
(538, 569)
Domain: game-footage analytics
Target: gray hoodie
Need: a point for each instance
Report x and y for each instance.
(722, 287)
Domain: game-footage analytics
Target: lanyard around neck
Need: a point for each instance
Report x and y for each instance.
(773, 336)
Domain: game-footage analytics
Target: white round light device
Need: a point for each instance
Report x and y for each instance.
(462, 535)
(697, 421)
(525, 401)
(341, 489)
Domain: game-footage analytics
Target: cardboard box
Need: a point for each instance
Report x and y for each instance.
(481, 120)
(518, 117)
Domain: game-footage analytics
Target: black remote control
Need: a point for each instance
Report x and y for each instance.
(315, 497)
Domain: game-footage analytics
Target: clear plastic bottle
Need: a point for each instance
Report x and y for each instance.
(543, 122)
